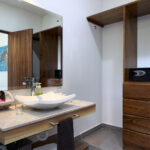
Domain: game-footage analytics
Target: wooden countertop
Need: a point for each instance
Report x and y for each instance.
(15, 126)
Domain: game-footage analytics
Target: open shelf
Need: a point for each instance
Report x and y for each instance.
(139, 8)
(107, 17)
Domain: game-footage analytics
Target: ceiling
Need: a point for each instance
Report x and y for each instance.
(26, 6)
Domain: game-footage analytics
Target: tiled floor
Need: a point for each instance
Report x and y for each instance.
(105, 138)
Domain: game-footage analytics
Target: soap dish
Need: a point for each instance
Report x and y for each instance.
(9, 101)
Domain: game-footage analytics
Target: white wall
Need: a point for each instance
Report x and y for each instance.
(14, 19)
(112, 68)
(144, 41)
(51, 20)
(23, 19)
(112, 74)
(81, 54)
(107, 4)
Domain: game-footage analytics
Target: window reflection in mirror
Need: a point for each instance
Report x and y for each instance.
(3, 61)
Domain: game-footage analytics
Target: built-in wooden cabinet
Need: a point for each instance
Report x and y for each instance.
(136, 95)
(19, 57)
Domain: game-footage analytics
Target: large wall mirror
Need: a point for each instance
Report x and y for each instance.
(30, 45)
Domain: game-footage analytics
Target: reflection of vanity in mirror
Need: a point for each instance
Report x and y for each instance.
(30, 45)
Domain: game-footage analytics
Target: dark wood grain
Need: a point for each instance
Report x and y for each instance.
(54, 82)
(136, 123)
(19, 57)
(130, 41)
(4, 31)
(48, 54)
(56, 30)
(136, 90)
(135, 141)
(109, 16)
(143, 8)
(136, 107)
(138, 7)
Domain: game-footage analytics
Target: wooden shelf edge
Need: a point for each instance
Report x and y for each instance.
(136, 83)
(109, 11)
(95, 22)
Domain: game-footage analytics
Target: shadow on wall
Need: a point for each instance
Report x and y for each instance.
(97, 37)
(112, 74)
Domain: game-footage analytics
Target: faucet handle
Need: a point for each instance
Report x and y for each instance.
(29, 79)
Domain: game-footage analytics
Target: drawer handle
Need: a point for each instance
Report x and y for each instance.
(55, 124)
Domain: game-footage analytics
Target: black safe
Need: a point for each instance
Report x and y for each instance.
(139, 74)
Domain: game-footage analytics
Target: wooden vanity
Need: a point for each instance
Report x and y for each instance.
(15, 126)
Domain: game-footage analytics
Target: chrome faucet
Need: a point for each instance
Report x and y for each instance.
(30, 83)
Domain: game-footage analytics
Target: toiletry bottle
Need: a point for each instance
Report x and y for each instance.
(38, 89)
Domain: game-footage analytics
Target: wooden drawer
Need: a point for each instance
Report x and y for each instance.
(136, 107)
(135, 123)
(135, 141)
(136, 90)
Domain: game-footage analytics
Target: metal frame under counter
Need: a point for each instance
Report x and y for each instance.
(14, 127)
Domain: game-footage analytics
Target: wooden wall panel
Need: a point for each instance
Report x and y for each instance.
(48, 55)
(136, 90)
(19, 57)
(136, 123)
(136, 107)
(130, 40)
(135, 141)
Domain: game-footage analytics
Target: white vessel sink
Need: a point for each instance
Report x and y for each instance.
(45, 101)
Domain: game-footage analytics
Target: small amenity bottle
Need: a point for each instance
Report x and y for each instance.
(38, 89)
